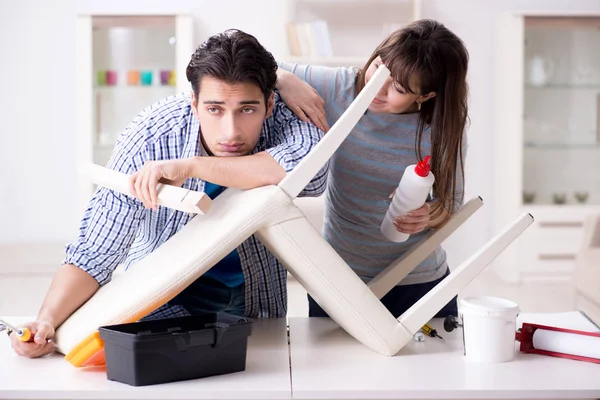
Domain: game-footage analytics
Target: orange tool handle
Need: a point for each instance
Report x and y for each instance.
(24, 335)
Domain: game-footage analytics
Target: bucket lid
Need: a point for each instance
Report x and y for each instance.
(487, 306)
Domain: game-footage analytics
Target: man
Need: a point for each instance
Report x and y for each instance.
(232, 131)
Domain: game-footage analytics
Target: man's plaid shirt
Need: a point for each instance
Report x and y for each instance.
(117, 229)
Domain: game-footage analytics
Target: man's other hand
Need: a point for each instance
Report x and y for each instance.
(42, 343)
(143, 185)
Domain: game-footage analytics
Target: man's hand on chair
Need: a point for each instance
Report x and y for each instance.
(143, 184)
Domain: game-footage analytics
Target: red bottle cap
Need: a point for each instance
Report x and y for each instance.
(423, 167)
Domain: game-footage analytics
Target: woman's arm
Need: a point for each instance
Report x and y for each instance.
(309, 90)
(302, 99)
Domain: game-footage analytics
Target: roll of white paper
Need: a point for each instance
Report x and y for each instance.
(567, 343)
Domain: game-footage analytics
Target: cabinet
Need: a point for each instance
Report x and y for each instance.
(546, 138)
(133, 65)
(342, 32)
(124, 64)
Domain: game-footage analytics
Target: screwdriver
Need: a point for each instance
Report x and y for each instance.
(23, 334)
(430, 331)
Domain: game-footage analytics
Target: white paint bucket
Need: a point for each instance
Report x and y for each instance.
(489, 327)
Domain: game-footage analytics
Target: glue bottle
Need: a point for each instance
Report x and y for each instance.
(415, 185)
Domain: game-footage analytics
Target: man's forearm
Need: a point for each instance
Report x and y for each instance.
(244, 172)
(70, 288)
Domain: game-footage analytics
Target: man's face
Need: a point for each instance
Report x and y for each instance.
(231, 116)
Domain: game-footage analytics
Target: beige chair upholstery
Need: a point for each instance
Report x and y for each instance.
(312, 208)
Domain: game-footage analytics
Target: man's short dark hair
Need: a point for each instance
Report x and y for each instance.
(233, 57)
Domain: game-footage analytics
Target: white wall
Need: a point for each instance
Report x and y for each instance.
(37, 98)
(37, 102)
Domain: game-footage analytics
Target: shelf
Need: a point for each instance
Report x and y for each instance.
(366, 3)
(548, 211)
(565, 146)
(135, 21)
(135, 87)
(558, 214)
(566, 86)
(575, 21)
(328, 61)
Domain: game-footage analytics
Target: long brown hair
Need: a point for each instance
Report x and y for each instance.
(437, 58)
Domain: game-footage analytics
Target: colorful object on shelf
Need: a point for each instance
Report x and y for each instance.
(172, 79)
(165, 76)
(111, 78)
(146, 78)
(133, 77)
(101, 78)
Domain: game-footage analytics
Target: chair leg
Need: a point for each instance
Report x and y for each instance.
(189, 201)
(333, 284)
(399, 269)
(306, 170)
(424, 309)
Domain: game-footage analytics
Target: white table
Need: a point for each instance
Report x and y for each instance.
(267, 374)
(328, 363)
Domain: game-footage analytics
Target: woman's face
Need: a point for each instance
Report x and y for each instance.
(392, 98)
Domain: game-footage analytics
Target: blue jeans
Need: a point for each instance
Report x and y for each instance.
(400, 299)
(208, 295)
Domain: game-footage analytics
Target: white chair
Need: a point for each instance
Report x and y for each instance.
(270, 214)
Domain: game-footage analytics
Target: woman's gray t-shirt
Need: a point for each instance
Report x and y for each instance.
(363, 173)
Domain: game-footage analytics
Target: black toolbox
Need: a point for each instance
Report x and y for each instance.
(175, 349)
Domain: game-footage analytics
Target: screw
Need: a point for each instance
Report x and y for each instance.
(419, 337)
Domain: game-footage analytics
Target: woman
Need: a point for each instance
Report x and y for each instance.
(421, 110)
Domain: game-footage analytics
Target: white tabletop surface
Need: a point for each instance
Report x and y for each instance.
(267, 374)
(328, 363)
